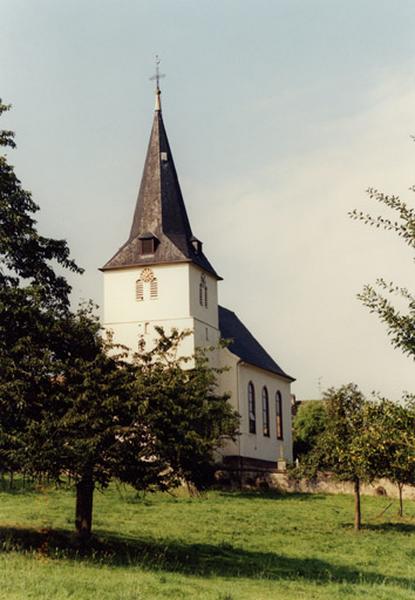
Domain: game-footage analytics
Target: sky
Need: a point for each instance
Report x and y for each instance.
(280, 114)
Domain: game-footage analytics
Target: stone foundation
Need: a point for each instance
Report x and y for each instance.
(326, 484)
(236, 471)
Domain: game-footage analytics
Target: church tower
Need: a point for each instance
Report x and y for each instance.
(160, 276)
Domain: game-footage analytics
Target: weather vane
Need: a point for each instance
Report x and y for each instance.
(157, 75)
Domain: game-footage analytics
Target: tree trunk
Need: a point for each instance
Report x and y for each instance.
(83, 516)
(357, 510)
(400, 488)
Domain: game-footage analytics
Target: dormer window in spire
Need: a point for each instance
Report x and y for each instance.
(203, 291)
(148, 244)
(196, 244)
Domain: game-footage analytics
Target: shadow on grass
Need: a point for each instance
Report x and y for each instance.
(396, 526)
(271, 495)
(221, 560)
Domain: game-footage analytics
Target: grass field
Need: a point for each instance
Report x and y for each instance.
(221, 546)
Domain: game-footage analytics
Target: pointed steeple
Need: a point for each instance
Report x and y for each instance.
(160, 232)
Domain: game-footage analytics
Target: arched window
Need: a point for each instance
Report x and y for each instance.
(278, 415)
(265, 412)
(203, 291)
(148, 281)
(251, 408)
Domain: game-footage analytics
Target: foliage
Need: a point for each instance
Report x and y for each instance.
(188, 419)
(152, 423)
(217, 545)
(308, 424)
(86, 409)
(400, 325)
(342, 449)
(60, 394)
(339, 447)
(33, 297)
(390, 427)
(390, 432)
(363, 440)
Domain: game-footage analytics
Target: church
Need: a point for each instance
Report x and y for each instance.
(161, 277)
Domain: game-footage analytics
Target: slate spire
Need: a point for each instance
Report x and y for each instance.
(160, 232)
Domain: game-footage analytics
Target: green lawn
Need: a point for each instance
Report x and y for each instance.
(222, 546)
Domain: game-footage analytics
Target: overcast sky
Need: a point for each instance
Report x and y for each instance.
(279, 113)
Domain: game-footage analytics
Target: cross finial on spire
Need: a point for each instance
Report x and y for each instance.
(156, 77)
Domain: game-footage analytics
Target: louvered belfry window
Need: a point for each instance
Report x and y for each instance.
(139, 290)
(153, 289)
(147, 286)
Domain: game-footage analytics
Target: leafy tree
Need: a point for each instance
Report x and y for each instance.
(341, 448)
(400, 325)
(390, 432)
(80, 422)
(151, 424)
(32, 298)
(395, 423)
(308, 424)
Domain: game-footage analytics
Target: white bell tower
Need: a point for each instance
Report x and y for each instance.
(160, 276)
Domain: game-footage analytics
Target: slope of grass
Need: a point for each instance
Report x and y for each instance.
(221, 546)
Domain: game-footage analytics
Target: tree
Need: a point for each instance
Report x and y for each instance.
(395, 422)
(400, 325)
(32, 297)
(341, 449)
(79, 423)
(308, 424)
(151, 424)
(391, 434)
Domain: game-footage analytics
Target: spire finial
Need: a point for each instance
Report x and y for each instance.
(156, 77)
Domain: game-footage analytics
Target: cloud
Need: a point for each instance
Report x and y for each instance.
(293, 261)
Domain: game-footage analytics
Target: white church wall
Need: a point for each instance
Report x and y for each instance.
(129, 334)
(206, 336)
(209, 314)
(256, 445)
(174, 307)
(172, 302)
(228, 383)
